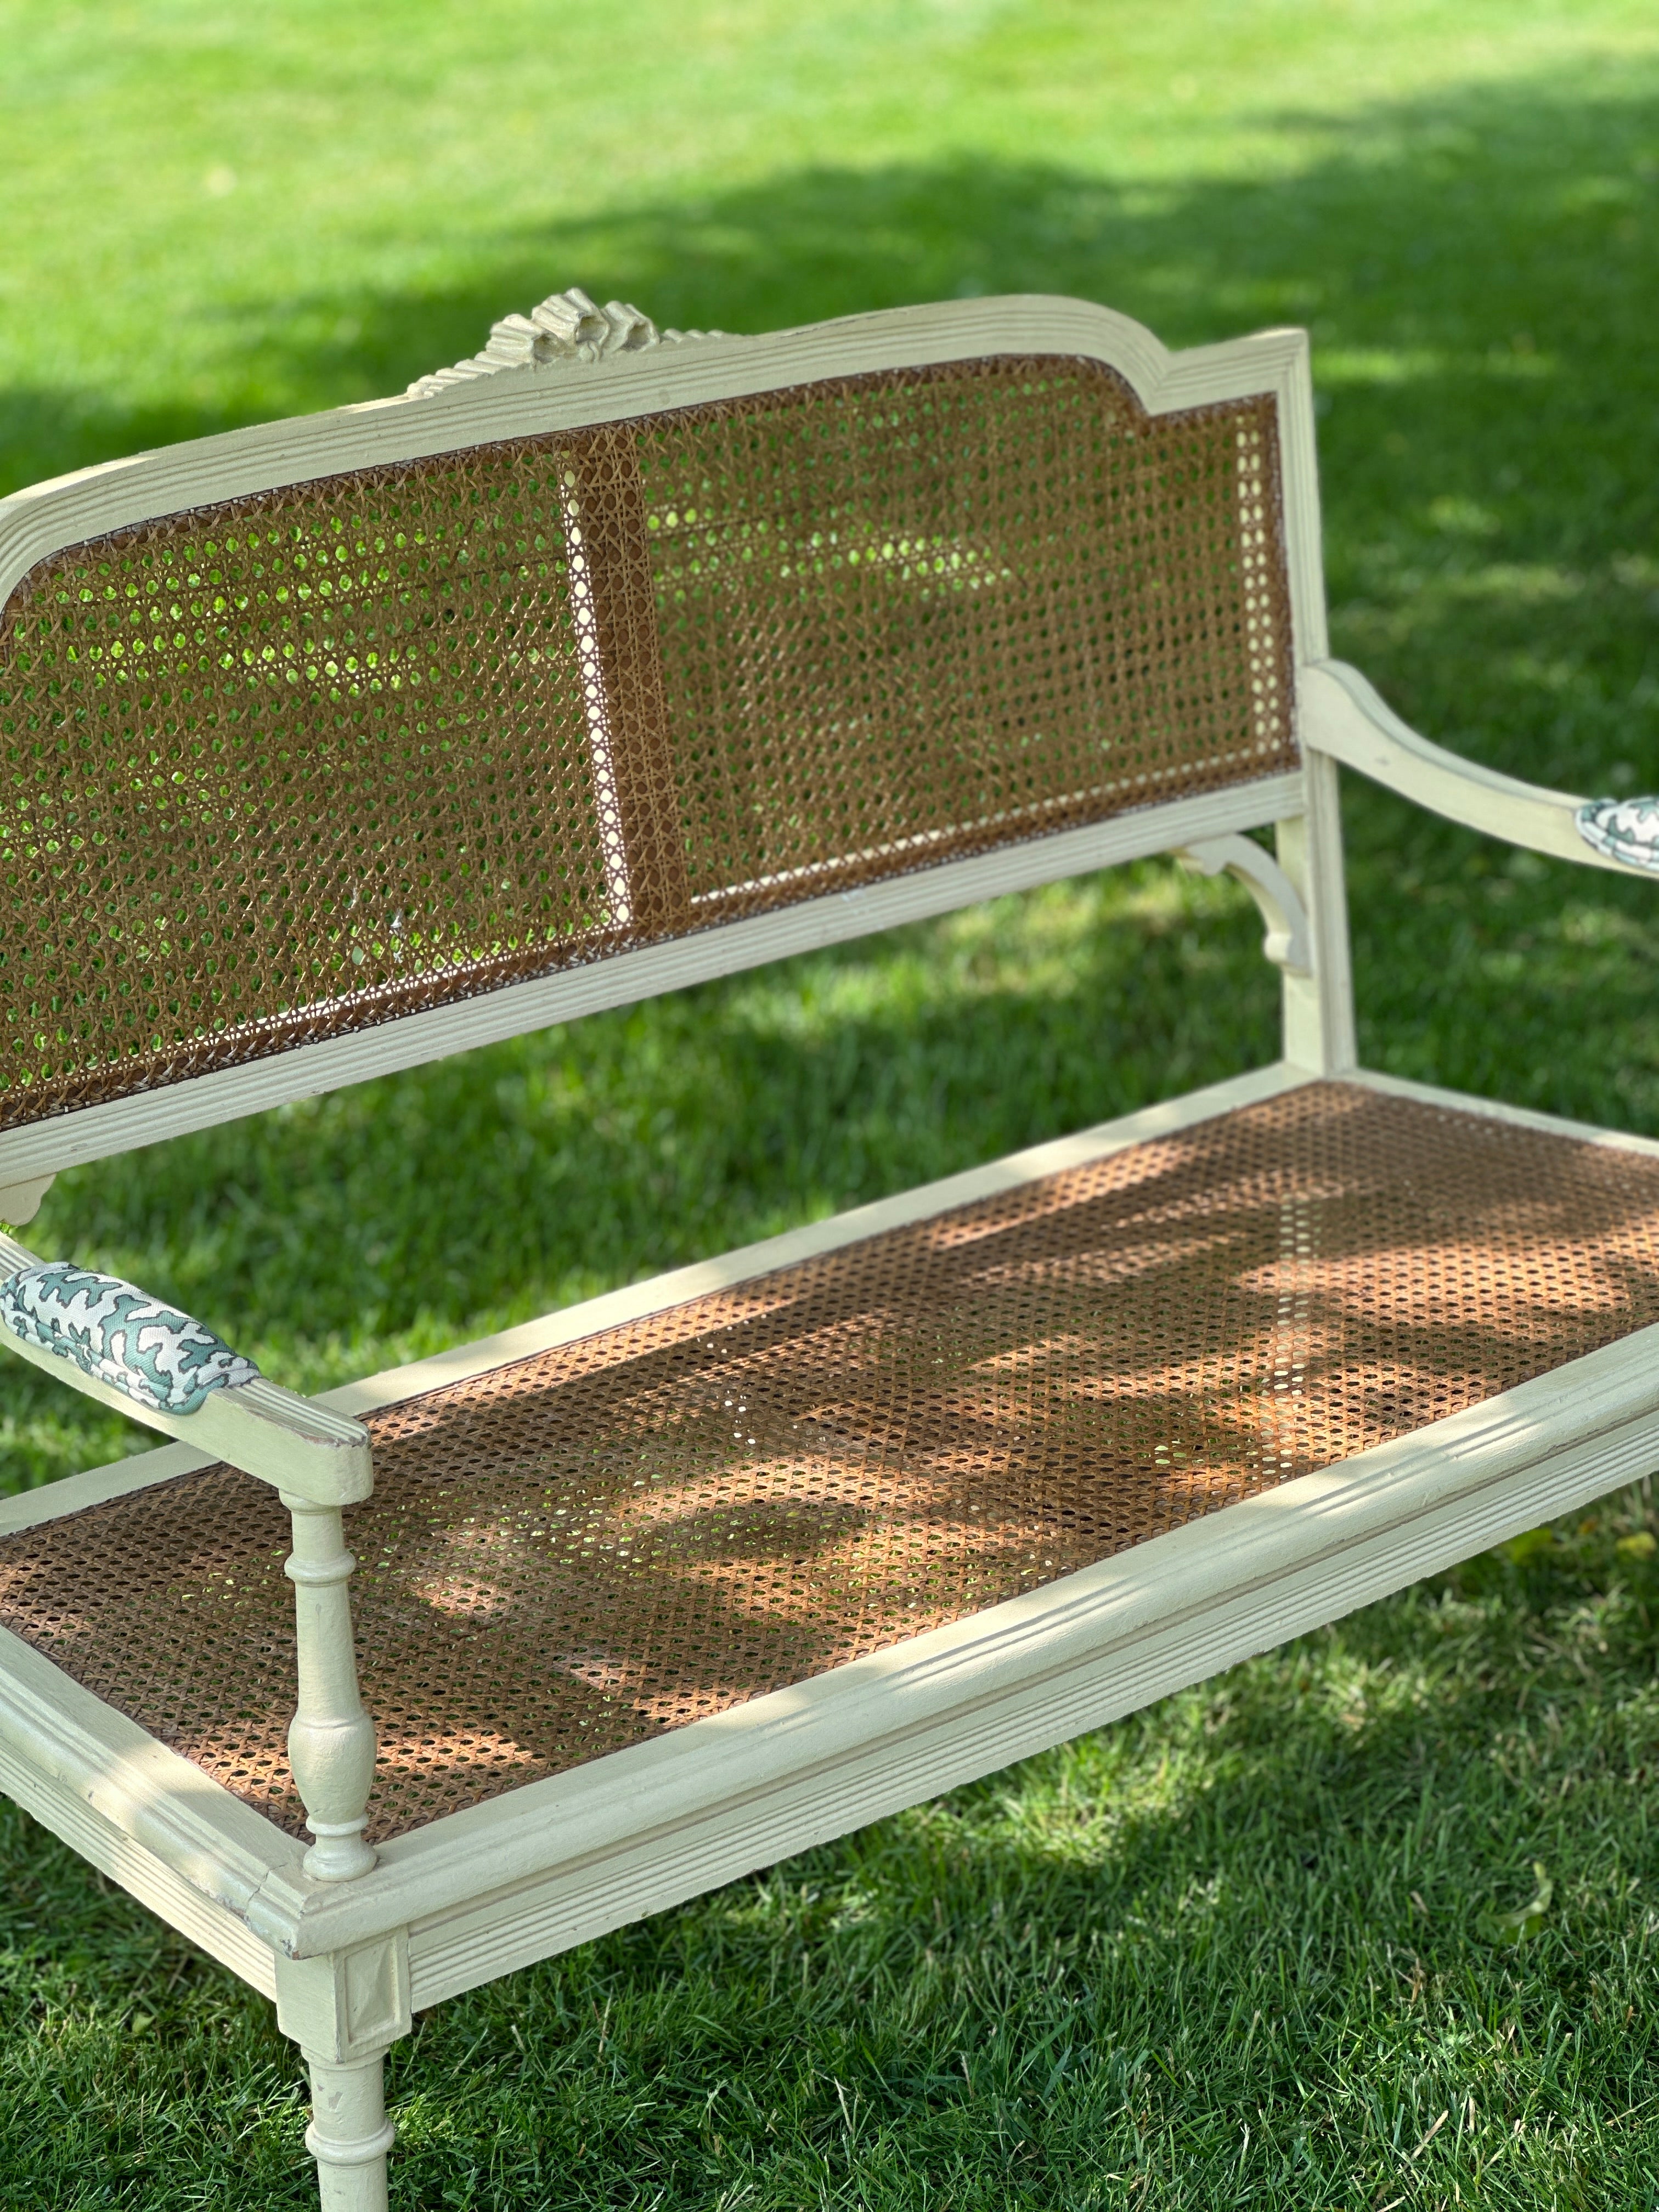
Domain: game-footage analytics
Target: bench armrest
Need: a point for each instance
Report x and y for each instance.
(1342, 715)
(147, 1360)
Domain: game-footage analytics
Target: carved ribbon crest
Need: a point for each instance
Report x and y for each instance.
(566, 327)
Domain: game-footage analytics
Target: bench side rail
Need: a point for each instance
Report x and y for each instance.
(773, 643)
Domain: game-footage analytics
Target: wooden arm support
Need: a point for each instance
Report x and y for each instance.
(331, 1739)
(258, 1426)
(1342, 715)
(1287, 941)
(318, 1461)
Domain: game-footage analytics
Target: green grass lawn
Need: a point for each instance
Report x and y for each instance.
(1240, 1949)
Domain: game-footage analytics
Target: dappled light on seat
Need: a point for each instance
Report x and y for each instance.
(580, 1550)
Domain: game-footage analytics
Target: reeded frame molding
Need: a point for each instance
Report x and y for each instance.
(41, 1149)
(532, 1872)
(45, 518)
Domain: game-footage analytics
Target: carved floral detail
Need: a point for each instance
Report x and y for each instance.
(1624, 829)
(566, 327)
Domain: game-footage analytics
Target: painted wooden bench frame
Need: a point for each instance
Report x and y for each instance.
(349, 1942)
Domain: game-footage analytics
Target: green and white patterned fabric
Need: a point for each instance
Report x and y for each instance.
(1624, 829)
(121, 1336)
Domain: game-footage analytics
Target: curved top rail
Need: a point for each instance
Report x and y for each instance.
(524, 400)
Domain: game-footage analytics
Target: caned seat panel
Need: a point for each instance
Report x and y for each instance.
(584, 1548)
(283, 770)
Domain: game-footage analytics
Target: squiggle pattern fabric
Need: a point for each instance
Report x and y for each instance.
(1624, 829)
(119, 1335)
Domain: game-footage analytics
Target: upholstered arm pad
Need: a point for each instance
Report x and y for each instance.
(119, 1335)
(1341, 715)
(131, 1352)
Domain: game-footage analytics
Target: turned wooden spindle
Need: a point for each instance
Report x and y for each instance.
(330, 1742)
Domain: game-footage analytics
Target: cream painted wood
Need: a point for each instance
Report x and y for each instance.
(886, 1730)
(1317, 1016)
(212, 1928)
(565, 327)
(46, 517)
(20, 1202)
(75, 1492)
(1497, 1109)
(331, 1740)
(559, 1862)
(268, 1431)
(344, 2010)
(541, 1915)
(346, 2004)
(281, 1908)
(350, 2133)
(289, 1442)
(72, 1494)
(152, 1821)
(1288, 943)
(1343, 716)
(552, 1863)
(1317, 1010)
(96, 1131)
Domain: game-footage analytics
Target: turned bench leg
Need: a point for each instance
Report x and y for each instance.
(330, 1745)
(350, 2133)
(345, 2010)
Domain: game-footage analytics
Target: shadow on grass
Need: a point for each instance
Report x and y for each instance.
(1477, 269)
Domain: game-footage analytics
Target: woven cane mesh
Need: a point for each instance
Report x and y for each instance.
(903, 672)
(616, 1537)
(284, 768)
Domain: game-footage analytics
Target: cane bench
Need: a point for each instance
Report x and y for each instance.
(611, 660)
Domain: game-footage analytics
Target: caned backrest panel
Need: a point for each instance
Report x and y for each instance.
(287, 767)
